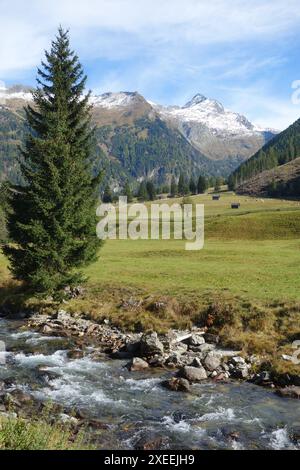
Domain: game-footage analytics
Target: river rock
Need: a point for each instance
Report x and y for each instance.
(203, 348)
(295, 435)
(151, 345)
(158, 360)
(220, 377)
(47, 330)
(180, 347)
(133, 347)
(75, 354)
(193, 374)
(237, 360)
(121, 355)
(241, 372)
(152, 443)
(289, 392)
(196, 362)
(212, 361)
(196, 340)
(262, 378)
(67, 419)
(210, 338)
(174, 360)
(137, 364)
(177, 384)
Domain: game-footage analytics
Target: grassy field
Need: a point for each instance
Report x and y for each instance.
(252, 252)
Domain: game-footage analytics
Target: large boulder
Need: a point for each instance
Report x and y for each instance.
(193, 374)
(212, 361)
(151, 345)
(196, 340)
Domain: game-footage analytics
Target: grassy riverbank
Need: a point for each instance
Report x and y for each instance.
(21, 434)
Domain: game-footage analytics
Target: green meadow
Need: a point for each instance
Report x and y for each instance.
(253, 252)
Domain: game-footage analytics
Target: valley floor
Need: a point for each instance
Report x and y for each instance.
(249, 267)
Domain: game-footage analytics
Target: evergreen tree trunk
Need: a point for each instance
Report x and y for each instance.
(51, 219)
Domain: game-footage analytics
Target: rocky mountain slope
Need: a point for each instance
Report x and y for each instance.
(282, 149)
(283, 180)
(137, 139)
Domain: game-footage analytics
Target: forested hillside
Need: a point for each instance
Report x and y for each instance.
(12, 130)
(150, 148)
(282, 149)
(282, 181)
(147, 148)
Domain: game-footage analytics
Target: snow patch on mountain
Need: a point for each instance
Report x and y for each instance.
(115, 100)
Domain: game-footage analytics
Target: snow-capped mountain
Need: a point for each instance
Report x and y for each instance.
(212, 114)
(218, 132)
(15, 93)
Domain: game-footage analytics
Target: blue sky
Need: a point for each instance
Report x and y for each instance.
(244, 53)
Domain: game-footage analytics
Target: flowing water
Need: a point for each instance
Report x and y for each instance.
(133, 405)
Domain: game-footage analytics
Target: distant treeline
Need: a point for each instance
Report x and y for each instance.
(280, 150)
(148, 191)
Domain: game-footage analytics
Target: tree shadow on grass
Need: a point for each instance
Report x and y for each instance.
(17, 300)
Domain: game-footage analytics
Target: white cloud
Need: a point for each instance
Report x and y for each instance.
(168, 42)
(120, 27)
(262, 106)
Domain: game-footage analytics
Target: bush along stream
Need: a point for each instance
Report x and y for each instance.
(179, 390)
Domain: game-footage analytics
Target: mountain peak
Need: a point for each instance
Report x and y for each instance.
(197, 99)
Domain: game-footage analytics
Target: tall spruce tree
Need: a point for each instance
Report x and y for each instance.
(151, 190)
(183, 187)
(174, 187)
(142, 192)
(107, 195)
(202, 185)
(192, 186)
(51, 218)
(127, 192)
